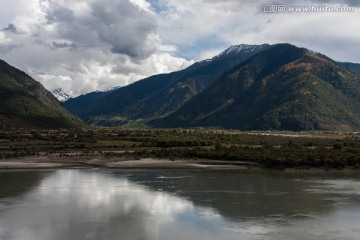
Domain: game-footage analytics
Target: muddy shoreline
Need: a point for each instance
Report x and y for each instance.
(43, 162)
(121, 163)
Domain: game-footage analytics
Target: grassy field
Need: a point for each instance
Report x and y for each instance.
(276, 150)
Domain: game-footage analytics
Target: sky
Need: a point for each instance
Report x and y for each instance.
(95, 45)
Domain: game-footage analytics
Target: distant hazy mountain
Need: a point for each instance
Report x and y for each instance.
(281, 88)
(160, 94)
(24, 102)
(353, 67)
(79, 104)
(62, 95)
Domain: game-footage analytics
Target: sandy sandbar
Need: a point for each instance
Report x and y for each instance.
(146, 163)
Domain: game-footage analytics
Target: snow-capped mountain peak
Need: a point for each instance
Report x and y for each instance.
(243, 48)
(62, 95)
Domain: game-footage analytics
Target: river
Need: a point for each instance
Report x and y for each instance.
(77, 204)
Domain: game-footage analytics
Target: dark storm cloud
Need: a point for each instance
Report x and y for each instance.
(7, 45)
(10, 28)
(129, 31)
(122, 26)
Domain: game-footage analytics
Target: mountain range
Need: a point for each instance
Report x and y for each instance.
(246, 87)
(24, 102)
(158, 95)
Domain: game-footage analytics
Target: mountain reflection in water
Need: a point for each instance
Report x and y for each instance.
(107, 204)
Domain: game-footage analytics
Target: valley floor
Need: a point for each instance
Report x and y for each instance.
(179, 149)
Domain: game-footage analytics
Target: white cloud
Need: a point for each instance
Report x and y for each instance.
(84, 46)
(201, 27)
(329, 33)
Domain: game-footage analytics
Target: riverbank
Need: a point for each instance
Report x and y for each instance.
(148, 163)
(145, 163)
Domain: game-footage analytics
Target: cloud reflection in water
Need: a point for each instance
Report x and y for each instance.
(100, 204)
(76, 204)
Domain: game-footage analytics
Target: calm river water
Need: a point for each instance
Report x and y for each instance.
(104, 204)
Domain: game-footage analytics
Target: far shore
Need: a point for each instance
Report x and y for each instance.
(198, 149)
(144, 163)
(120, 163)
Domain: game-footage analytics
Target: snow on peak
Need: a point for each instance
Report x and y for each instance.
(62, 95)
(242, 48)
